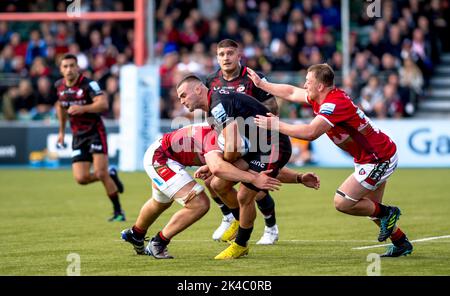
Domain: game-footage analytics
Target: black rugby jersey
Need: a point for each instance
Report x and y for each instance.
(81, 93)
(242, 84)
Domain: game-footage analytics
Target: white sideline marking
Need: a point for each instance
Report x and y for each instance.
(413, 241)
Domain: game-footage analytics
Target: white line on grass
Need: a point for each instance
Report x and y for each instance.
(413, 241)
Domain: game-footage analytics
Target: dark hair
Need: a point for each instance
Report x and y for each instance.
(227, 43)
(323, 74)
(69, 56)
(188, 78)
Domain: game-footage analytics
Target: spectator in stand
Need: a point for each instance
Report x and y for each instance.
(19, 47)
(36, 47)
(8, 103)
(371, 101)
(394, 43)
(83, 61)
(330, 15)
(6, 59)
(404, 94)
(5, 34)
(25, 101)
(45, 100)
(411, 76)
(393, 106)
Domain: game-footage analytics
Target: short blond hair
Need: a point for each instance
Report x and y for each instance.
(323, 74)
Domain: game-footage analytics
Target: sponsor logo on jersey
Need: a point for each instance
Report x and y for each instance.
(219, 113)
(241, 88)
(80, 93)
(96, 147)
(362, 172)
(327, 108)
(216, 88)
(94, 86)
(258, 163)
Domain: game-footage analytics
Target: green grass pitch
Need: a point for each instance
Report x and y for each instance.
(45, 216)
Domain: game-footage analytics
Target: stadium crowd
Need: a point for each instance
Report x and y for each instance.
(392, 55)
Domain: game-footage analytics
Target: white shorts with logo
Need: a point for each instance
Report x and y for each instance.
(167, 179)
(372, 175)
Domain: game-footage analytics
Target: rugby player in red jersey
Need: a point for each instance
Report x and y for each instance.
(165, 161)
(374, 153)
(82, 101)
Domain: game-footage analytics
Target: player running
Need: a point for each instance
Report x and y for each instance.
(374, 153)
(82, 101)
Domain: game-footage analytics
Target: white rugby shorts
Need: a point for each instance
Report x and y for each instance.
(372, 175)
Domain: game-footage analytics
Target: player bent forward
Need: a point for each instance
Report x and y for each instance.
(164, 162)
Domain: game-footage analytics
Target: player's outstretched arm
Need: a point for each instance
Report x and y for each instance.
(310, 132)
(309, 179)
(283, 91)
(225, 170)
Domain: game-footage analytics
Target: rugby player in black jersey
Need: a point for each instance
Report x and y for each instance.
(231, 114)
(82, 101)
(232, 76)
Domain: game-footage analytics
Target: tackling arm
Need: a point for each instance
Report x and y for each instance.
(317, 127)
(225, 170)
(283, 91)
(232, 136)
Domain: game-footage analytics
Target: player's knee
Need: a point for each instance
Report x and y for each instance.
(244, 199)
(219, 186)
(82, 179)
(341, 204)
(203, 204)
(101, 174)
(200, 204)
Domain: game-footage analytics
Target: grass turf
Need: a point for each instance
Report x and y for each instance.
(45, 216)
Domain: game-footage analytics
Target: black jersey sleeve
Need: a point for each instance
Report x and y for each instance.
(222, 109)
(93, 88)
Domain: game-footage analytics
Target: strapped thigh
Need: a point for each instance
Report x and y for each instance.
(342, 194)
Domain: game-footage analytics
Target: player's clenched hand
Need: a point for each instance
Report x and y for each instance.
(263, 181)
(311, 180)
(271, 122)
(75, 110)
(202, 172)
(254, 77)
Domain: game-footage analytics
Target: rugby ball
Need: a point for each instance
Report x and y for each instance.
(243, 148)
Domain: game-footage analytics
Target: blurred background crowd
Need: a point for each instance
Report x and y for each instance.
(392, 56)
